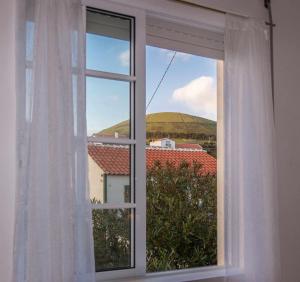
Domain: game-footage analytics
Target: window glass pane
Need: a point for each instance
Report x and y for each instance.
(113, 238)
(181, 122)
(108, 42)
(109, 173)
(108, 114)
(108, 108)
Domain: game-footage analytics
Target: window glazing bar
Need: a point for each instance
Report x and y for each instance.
(105, 140)
(109, 75)
(113, 206)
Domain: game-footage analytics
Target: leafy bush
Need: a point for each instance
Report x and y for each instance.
(181, 222)
(112, 229)
(181, 217)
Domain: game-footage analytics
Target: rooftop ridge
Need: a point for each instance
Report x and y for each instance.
(107, 145)
(174, 149)
(147, 147)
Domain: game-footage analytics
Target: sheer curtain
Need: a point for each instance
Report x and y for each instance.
(252, 245)
(53, 231)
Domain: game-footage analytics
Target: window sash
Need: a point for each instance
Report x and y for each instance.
(136, 139)
(109, 75)
(139, 141)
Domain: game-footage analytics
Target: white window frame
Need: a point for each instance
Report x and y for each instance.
(137, 139)
(140, 12)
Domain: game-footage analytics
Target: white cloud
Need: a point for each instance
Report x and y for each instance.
(199, 96)
(182, 56)
(124, 58)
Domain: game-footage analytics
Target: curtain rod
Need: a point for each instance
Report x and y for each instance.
(270, 23)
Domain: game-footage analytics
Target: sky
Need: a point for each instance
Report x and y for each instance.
(188, 87)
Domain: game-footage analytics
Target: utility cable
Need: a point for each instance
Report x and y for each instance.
(161, 80)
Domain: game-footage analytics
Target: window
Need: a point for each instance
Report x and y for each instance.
(110, 95)
(143, 145)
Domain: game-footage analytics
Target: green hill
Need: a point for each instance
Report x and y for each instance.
(170, 124)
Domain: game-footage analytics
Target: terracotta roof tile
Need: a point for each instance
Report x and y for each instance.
(209, 163)
(114, 159)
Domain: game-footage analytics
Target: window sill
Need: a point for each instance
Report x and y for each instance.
(178, 275)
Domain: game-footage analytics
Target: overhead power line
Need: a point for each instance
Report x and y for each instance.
(161, 80)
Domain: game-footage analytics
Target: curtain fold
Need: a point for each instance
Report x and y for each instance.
(53, 231)
(251, 234)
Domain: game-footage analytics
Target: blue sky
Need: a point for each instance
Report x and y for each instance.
(185, 69)
(188, 87)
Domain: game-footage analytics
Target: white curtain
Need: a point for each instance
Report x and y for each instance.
(53, 231)
(251, 234)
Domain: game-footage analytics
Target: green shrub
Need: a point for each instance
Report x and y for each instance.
(112, 229)
(181, 217)
(181, 222)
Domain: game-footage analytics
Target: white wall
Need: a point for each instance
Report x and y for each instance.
(164, 143)
(115, 184)
(96, 180)
(287, 77)
(7, 126)
(115, 188)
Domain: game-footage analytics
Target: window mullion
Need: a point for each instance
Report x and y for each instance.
(113, 206)
(110, 75)
(140, 137)
(106, 140)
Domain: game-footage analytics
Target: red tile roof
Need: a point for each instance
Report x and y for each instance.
(114, 159)
(189, 146)
(209, 163)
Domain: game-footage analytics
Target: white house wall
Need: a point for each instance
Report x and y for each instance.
(115, 188)
(96, 181)
(115, 184)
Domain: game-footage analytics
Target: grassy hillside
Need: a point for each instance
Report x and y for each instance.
(166, 123)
